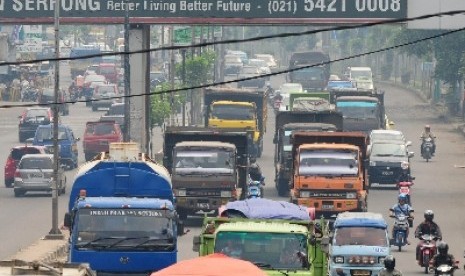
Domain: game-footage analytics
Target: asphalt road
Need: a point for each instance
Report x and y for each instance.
(438, 184)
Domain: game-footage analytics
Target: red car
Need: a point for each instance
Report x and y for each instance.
(98, 136)
(13, 160)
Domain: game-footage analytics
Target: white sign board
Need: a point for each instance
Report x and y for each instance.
(32, 39)
(424, 7)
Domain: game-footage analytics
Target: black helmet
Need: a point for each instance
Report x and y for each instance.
(427, 127)
(254, 167)
(443, 248)
(253, 160)
(429, 215)
(390, 262)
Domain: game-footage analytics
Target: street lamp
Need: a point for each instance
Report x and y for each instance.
(55, 232)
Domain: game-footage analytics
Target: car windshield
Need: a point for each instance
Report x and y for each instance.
(358, 110)
(266, 250)
(36, 163)
(103, 89)
(33, 113)
(328, 162)
(249, 70)
(136, 229)
(386, 136)
(266, 58)
(45, 134)
(360, 236)
(107, 70)
(100, 129)
(95, 78)
(17, 154)
(232, 59)
(258, 63)
(204, 161)
(385, 149)
(233, 112)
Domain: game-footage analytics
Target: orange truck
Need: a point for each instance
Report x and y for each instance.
(329, 171)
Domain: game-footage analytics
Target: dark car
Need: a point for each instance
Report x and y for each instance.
(47, 95)
(389, 163)
(115, 113)
(35, 173)
(16, 153)
(67, 142)
(248, 72)
(98, 136)
(104, 96)
(30, 119)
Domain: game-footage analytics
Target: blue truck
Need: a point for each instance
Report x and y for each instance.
(359, 245)
(121, 216)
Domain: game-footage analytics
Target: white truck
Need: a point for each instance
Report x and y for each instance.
(362, 76)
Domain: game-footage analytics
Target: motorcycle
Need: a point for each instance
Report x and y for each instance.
(255, 188)
(400, 229)
(427, 148)
(427, 250)
(404, 188)
(29, 94)
(445, 269)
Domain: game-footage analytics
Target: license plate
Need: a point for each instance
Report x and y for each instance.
(103, 142)
(203, 205)
(327, 206)
(36, 175)
(361, 272)
(387, 173)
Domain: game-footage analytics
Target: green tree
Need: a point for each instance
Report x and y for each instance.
(160, 105)
(198, 69)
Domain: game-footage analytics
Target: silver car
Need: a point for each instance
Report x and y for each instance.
(35, 173)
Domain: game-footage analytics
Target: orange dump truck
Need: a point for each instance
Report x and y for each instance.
(329, 171)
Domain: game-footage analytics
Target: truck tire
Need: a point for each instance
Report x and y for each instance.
(19, 193)
(88, 156)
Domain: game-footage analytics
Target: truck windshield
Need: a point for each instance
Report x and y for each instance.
(187, 162)
(358, 110)
(136, 229)
(287, 141)
(45, 134)
(360, 236)
(233, 112)
(361, 75)
(266, 250)
(315, 73)
(328, 162)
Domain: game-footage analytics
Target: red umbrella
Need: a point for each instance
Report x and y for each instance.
(211, 265)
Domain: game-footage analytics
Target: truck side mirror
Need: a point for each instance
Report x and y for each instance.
(196, 244)
(68, 220)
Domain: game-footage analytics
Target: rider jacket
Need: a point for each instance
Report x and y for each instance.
(439, 259)
(394, 272)
(429, 134)
(428, 228)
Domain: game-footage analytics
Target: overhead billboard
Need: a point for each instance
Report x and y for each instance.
(203, 11)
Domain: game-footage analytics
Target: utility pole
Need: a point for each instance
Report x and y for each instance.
(127, 68)
(172, 67)
(183, 52)
(55, 232)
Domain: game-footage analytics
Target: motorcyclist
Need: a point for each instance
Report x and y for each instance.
(389, 267)
(443, 257)
(427, 227)
(428, 134)
(402, 208)
(255, 171)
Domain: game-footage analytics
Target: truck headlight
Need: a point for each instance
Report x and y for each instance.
(372, 163)
(180, 192)
(304, 194)
(404, 165)
(338, 259)
(351, 195)
(226, 193)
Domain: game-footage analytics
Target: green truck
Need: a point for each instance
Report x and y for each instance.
(279, 237)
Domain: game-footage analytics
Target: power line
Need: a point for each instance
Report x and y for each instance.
(250, 78)
(233, 41)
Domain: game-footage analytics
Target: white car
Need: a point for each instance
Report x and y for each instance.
(385, 136)
(291, 87)
(261, 64)
(269, 59)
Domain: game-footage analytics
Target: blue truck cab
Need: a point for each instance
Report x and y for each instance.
(121, 214)
(67, 142)
(359, 245)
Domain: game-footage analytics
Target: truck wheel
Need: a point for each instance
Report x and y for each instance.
(88, 156)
